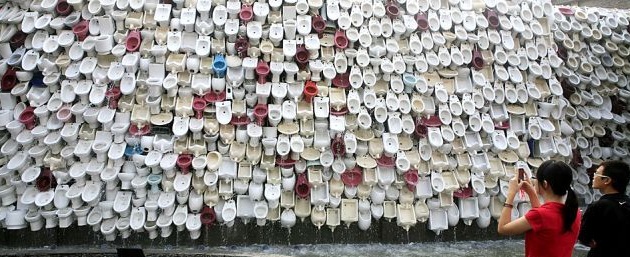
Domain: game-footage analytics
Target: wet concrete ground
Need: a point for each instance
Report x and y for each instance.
(500, 248)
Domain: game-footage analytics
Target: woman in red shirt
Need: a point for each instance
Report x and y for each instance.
(550, 229)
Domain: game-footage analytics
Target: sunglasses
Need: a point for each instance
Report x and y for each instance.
(600, 175)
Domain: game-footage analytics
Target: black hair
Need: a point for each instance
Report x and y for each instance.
(619, 173)
(559, 177)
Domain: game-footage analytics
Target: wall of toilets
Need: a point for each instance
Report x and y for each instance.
(145, 115)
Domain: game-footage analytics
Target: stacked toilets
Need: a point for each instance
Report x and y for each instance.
(149, 116)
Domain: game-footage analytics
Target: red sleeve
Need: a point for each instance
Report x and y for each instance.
(534, 219)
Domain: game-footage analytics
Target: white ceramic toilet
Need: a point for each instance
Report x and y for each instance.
(122, 203)
(229, 212)
(164, 222)
(61, 200)
(180, 216)
(193, 225)
(45, 199)
(272, 194)
(137, 219)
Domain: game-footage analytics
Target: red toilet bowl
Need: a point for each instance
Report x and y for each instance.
(302, 187)
(338, 146)
(492, 17)
(352, 178)
(301, 56)
(392, 9)
(81, 29)
(310, 91)
(423, 21)
(341, 41)
(133, 41)
(241, 45)
(411, 179)
(247, 14)
(184, 161)
(319, 25)
(341, 80)
(208, 216)
(262, 70)
(260, 112)
(17, 40)
(27, 117)
(63, 8)
(199, 104)
(9, 80)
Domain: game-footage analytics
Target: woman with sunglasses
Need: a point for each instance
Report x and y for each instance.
(606, 223)
(551, 229)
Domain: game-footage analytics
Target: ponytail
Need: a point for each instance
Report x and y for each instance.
(569, 212)
(559, 176)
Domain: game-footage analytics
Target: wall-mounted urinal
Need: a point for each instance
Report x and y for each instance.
(452, 213)
(438, 220)
(468, 209)
(484, 218)
(193, 225)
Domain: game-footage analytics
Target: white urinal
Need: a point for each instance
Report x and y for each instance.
(484, 218)
(365, 220)
(422, 211)
(406, 216)
(438, 220)
(468, 209)
(318, 216)
(320, 195)
(244, 208)
(261, 209)
(195, 201)
(229, 212)
(193, 224)
(453, 215)
(272, 194)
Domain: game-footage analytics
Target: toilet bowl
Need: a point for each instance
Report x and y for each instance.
(61, 200)
(229, 212)
(51, 218)
(65, 217)
(164, 223)
(122, 203)
(288, 218)
(166, 202)
(35, 220)
(193, 225)
(44, 199)
(28, 197)
(108, 228)
(94, 219)
(91, 193)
